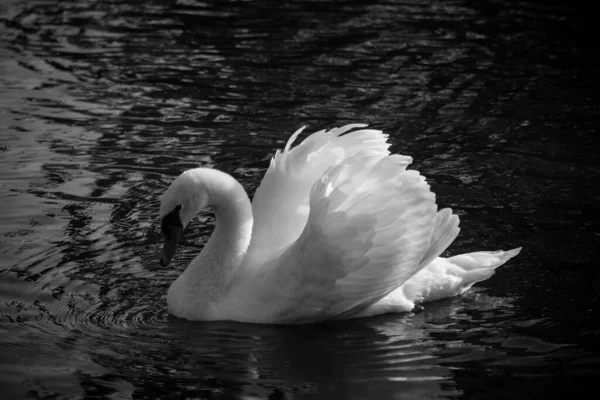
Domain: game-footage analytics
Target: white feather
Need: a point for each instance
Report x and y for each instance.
(341, 229)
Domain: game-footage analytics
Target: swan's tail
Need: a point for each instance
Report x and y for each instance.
(452, 276)
(481, 265)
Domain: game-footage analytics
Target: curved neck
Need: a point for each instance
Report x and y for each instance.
(211, 272)
(233, 223)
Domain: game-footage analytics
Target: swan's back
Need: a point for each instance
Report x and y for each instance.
(339, 224)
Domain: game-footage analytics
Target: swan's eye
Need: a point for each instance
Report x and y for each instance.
(171, 218)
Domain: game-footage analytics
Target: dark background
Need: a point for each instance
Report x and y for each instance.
(103, 103)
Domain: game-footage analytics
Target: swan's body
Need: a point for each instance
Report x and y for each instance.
(338, 229)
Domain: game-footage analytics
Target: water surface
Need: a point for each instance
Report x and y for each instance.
(103, 103)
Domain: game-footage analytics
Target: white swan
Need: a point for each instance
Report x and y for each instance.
(338, 229)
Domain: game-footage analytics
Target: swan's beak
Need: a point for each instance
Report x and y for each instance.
(170, 246)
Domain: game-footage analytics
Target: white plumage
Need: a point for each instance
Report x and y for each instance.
(338, 228)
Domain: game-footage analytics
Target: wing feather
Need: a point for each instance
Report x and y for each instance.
(349, 254)
(281, 202)
(445, 231)
(339, 224)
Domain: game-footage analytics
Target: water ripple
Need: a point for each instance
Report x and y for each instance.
(104, 103)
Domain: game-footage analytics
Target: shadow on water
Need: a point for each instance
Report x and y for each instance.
(104, 103)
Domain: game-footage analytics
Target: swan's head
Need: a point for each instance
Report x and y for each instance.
(182, 201)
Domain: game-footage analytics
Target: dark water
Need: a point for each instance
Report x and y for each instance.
(103, 103)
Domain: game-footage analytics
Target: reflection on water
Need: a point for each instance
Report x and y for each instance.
(103, 103)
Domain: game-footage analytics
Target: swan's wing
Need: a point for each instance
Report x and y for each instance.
(281, 202)
(372, 225)
(444, 232)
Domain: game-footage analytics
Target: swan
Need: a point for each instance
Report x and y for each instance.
(338, 228)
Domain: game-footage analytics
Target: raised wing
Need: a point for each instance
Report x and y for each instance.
(281, 202)
(372, 225)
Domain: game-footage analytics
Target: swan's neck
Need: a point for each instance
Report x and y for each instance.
(209, 276)
(229, 242)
